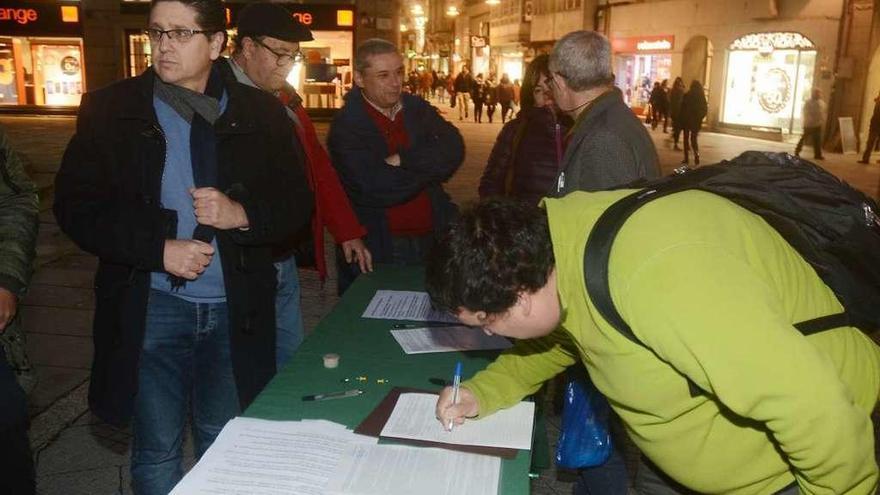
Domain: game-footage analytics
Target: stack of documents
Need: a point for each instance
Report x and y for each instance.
(405, 305)
(447, 339)
(261, 457)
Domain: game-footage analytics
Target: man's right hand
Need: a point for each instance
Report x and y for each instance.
(465, 407)
(187, 258)
(393, 160)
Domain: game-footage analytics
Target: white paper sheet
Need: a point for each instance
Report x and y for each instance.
(413, 417)
(447, 339)
(260, 457)
(402, 470)
(404, 305)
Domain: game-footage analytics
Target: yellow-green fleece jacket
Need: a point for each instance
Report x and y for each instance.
(712, 291)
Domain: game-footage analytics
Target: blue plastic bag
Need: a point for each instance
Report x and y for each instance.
(585, 439)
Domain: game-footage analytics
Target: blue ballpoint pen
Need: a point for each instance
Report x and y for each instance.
(456, 383)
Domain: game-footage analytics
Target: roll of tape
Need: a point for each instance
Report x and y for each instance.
(331, 360)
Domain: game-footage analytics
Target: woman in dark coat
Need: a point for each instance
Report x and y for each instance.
(693, 111)
(676, 95)
(525, 159)
(490, 94)
(478, 95)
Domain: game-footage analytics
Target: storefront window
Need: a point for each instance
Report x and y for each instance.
(8, 85)
(769, 76)
(41, 56)
(138, 52)
(636, 74)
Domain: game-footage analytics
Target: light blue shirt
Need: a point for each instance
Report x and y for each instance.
(177, 179)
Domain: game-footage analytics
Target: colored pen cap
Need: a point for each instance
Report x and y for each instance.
(458, 368)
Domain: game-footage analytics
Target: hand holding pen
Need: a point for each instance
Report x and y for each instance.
(452, 410)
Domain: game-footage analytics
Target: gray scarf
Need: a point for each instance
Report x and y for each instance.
(187, 102)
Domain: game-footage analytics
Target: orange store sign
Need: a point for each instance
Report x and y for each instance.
(21, 16)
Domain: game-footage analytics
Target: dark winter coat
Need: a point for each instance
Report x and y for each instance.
(608, 146)
(463, 83)
(505, 93)
(676, 95)
(19, 221)
(108, 200)
(529, 171)
(659, 99)
(693, 110)
(358, 151)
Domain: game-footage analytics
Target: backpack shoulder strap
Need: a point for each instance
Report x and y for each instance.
(598, 249)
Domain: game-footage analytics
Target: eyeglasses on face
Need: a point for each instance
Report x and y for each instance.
(281, 58)
(175, 35)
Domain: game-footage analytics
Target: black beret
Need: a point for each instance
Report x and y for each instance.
(273, 20)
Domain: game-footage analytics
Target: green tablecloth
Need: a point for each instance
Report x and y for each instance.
(367, 348)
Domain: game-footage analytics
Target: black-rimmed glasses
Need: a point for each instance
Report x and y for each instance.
(175, 35)
(281, 58)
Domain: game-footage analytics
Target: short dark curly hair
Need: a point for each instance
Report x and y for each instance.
(496, 249)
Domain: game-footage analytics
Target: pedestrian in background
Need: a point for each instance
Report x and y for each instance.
(659, 105)
(463, 85)
(490, 93)
(693, 111)
(814, 117)
(873, 132)
(505, 97)
(525, 158)
(478, 92)
(19, 209)
(676, 95)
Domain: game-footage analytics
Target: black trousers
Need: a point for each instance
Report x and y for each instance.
(17, 476)
(873, 138)
(814, 134)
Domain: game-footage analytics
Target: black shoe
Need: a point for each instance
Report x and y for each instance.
(676, 148)
(864, 162)
(818, 158)
(696, 159)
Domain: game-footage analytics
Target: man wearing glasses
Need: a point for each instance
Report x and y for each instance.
(266, 49)
(179, 180)
(607, 146)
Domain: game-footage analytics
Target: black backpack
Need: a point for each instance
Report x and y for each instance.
(834, 228)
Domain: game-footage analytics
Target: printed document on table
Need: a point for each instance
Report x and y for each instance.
(401, 470)
(405, 305)
(447, 339)
(260, 457)
(413, 417)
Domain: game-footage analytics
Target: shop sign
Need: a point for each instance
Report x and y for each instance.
(528, 11)
(636, 44)
(478, 41)
(34, 19)
(319, 17)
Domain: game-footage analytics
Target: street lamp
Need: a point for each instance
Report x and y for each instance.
(452, 11)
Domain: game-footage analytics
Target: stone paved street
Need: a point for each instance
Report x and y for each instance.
(75, 453)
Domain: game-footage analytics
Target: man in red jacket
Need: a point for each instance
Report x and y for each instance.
(266, 49)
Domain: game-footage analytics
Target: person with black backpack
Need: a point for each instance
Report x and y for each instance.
(722, 320)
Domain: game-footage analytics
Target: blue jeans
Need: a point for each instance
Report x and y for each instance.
(185, 360)
(288, 312)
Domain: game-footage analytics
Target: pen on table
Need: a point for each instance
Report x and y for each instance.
(334, 395)
(456, 384)
(398, 326)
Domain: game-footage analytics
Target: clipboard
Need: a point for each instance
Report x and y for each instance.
(373, 424)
